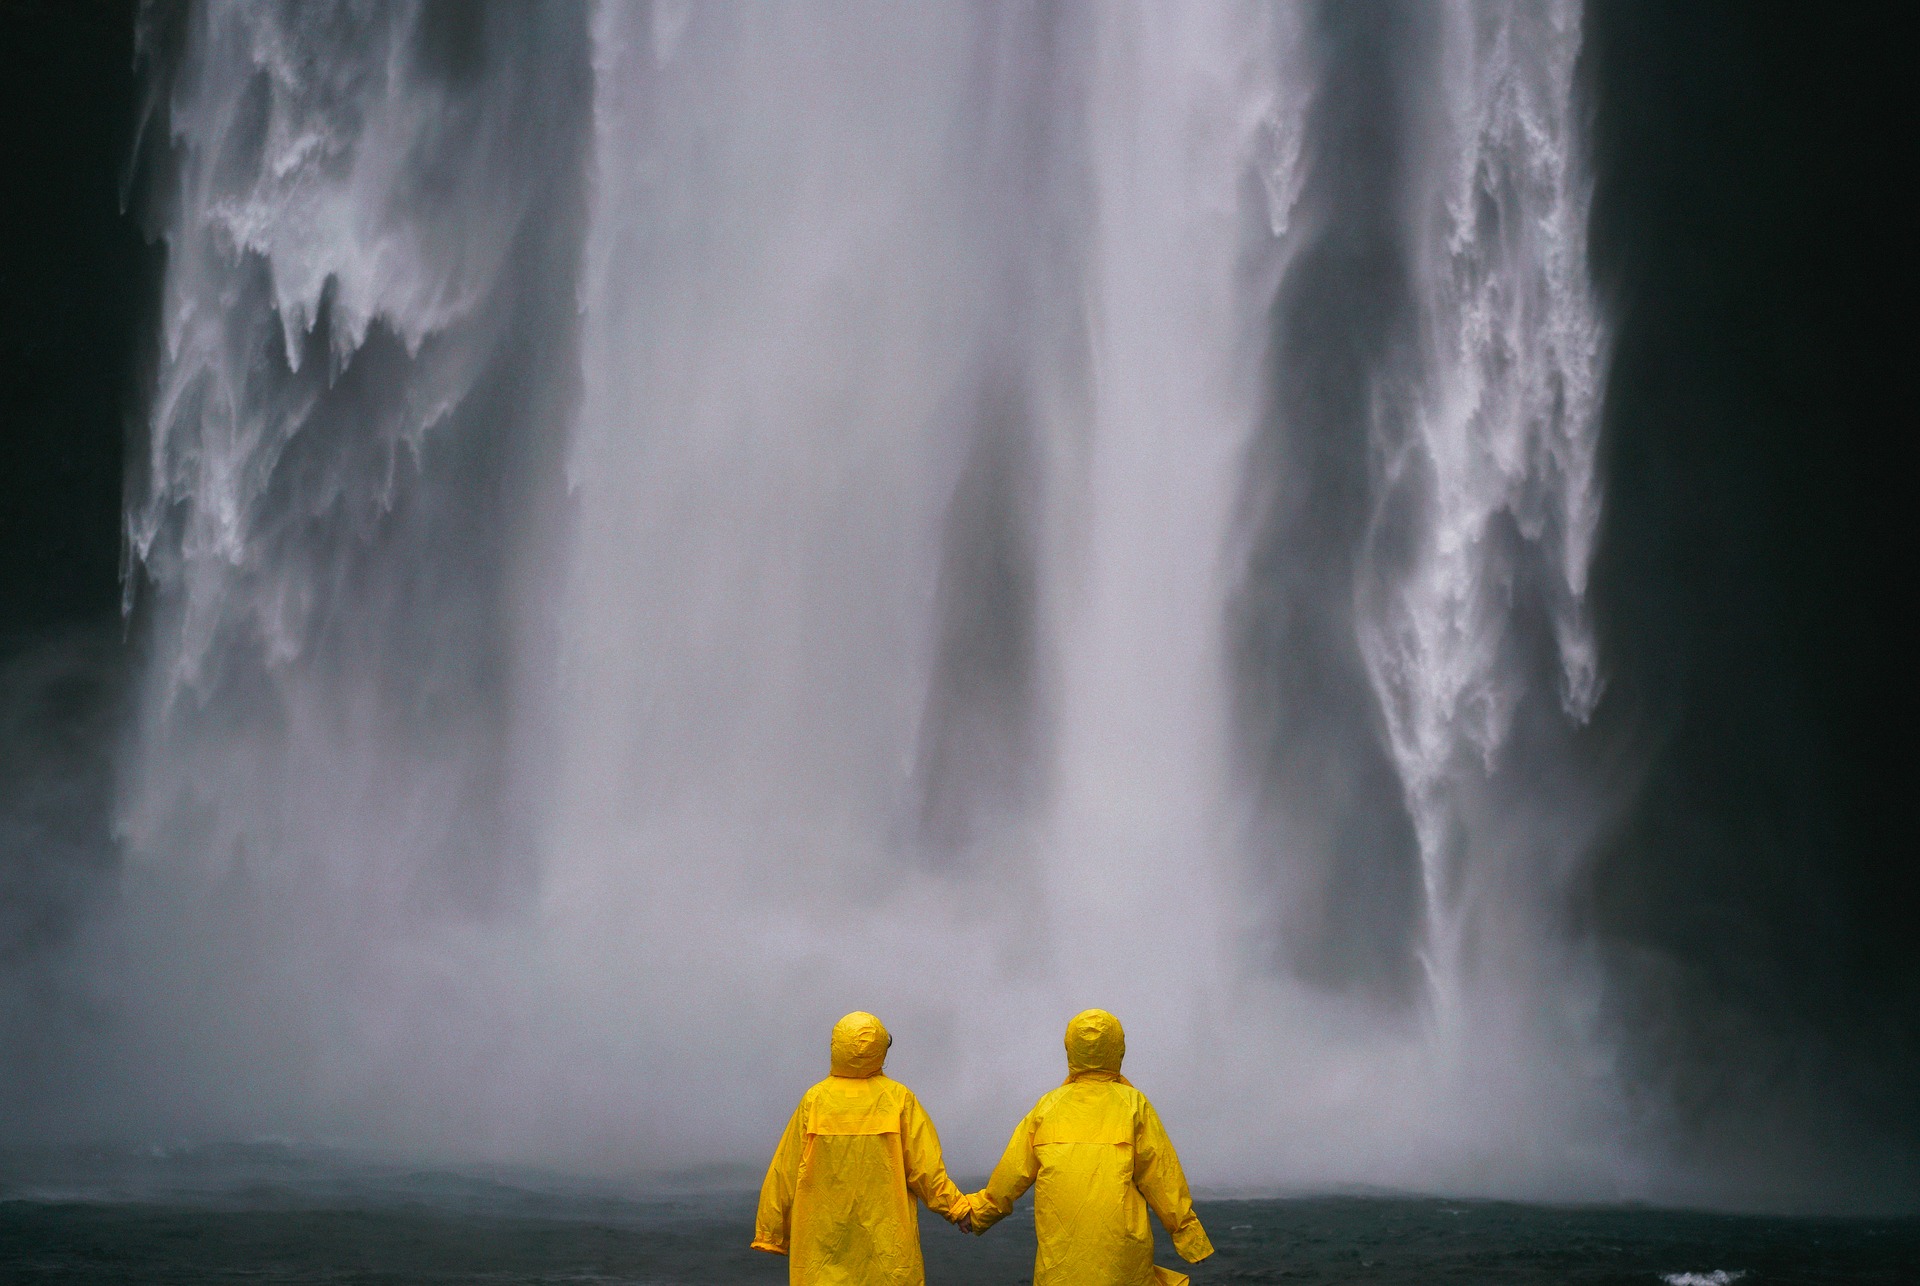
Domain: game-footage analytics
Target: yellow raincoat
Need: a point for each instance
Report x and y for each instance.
(839, 1195)
(1096, 1157)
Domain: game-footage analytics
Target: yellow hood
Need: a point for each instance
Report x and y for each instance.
(1095, 1043)
(859, 1045)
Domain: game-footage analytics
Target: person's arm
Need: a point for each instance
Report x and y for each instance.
(1157, 1173)
(775, 1216)
(926, 1171)
(1018, 1167)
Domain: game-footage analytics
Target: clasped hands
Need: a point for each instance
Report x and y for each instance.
(964, 1216)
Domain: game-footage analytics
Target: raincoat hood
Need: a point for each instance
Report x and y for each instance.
(1095, 1043)
(859, 1045)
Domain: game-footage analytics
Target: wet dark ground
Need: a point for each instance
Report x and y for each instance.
(400, 1226)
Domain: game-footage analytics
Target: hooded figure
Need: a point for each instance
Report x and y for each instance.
(839, 1196)
(1092, 1150)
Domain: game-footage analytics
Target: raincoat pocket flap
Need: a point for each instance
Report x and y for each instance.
(1083, 1131)
(854, 1123)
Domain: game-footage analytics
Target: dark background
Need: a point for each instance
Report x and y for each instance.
(1754, 246)
(76, 279)
(1758, 892)
(76, 283)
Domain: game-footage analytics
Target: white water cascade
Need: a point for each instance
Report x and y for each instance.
(662, 524)
(1494, 458)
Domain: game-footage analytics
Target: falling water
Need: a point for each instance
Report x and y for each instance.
(660, 524)
(1492, 455)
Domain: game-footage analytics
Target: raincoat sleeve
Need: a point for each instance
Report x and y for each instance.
(926, 1171)
(771, 1224)
(1013, 1176)
(1157, 1173)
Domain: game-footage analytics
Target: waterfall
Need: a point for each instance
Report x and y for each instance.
(660, 524)
(1185, 109)
(369, 220)
(1488, 463)
(350, 317)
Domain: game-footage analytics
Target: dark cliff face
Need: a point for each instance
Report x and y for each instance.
(75, 277)
(1755, 892)
(75, 280)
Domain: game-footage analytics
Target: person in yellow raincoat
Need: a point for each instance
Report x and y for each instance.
(1096, 1157)
(839, 1196)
